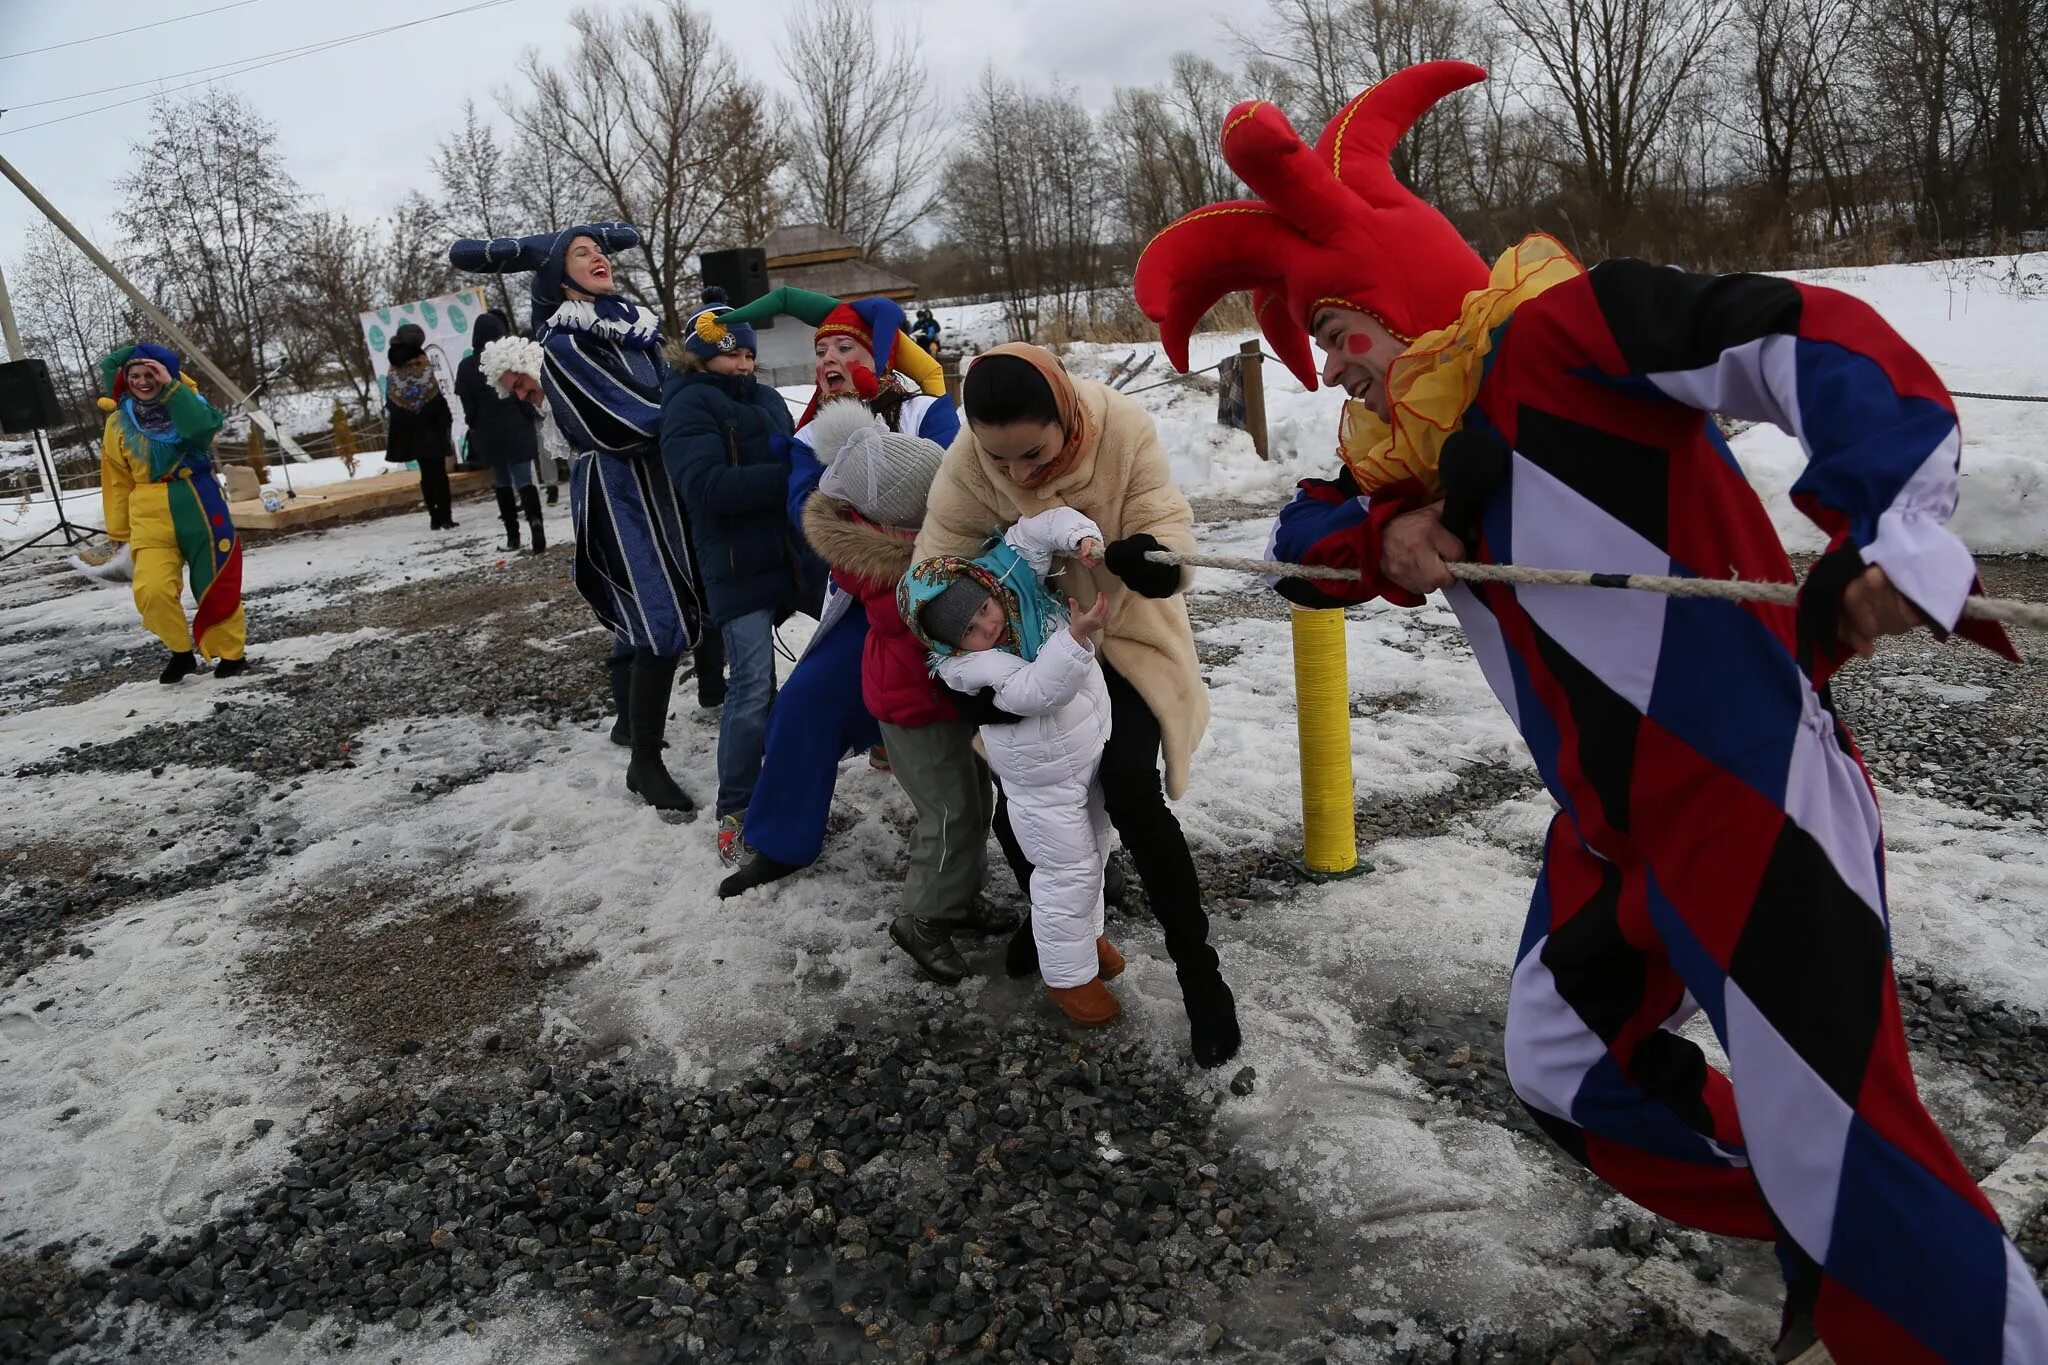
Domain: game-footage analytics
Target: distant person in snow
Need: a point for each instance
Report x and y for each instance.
(503, 434)
(925, 331)
(1717, 845)
(417, 421)
(163, 503)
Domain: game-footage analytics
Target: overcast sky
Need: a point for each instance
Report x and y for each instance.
(357, 125)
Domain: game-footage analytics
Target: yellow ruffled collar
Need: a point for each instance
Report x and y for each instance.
(1437, 377)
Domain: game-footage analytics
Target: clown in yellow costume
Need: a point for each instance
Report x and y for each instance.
(163, 502)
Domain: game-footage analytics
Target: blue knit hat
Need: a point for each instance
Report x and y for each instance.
(162, 355)
(544, 253)
(733, 337)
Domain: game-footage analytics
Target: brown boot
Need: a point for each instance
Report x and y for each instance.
(1090, 1005)
(1109, 963)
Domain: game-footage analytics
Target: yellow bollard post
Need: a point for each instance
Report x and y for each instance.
(1322, 695)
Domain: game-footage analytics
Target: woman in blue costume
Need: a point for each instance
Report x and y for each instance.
(601, 371)
(819, 718)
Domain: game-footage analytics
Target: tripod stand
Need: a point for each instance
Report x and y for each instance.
(46, 469)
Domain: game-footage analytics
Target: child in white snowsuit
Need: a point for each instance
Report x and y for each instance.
(992, 623)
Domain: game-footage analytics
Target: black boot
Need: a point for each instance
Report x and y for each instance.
(646, 777)
(758, 870)
(508, 512)
(1020, 959)
(1114, 883)
(1212, 1017)
(228, 668)
(554, 494)
(182, 665)
(931, 947)
(708, 658)
(622, 691)
(979, 917)
(529, 501)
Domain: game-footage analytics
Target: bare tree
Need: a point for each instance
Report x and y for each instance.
(1310, 62)
(1026, 195)
(476, 197)
(863, 125)
(1607, 76)
(1792, 47)
(650, 114)
(332, 279)
(206, 205)
(70, 315)
(1164, 143)
(415, 252)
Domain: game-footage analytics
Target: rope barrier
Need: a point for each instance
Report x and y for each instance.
(2000, 397)
(2010, 611)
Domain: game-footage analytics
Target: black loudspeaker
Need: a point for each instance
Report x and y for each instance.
(27, 400)
(741, 272)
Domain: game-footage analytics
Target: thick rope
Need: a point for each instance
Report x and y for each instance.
(2014, 613)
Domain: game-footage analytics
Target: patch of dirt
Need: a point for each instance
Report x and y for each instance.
(404, 976)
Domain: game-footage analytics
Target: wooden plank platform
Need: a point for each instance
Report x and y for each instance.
(364, 496)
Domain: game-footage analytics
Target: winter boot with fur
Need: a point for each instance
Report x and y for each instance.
(1109, 963)
(646, 776)
(508, 512)
(529, 502)
(930, 946)
(1090, 1005)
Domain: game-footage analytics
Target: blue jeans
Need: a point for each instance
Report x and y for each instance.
(749, 690)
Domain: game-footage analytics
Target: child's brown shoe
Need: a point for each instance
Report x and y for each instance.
(1109, 963)
(1090, 1005)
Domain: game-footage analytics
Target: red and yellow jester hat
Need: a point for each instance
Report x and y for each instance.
(1332, 226)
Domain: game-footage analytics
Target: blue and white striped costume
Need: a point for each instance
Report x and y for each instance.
(602, 373)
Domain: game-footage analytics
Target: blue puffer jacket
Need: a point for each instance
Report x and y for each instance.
(718, 440)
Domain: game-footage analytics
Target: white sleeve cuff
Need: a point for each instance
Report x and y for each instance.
(1925, 561)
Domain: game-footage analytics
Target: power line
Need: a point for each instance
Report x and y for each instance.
(257, 64)
(170, 76)
(120, 32)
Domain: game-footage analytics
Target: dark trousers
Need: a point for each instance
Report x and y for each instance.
(1135, 800)
(434, 489)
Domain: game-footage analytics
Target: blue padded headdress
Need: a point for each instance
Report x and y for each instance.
(543, 253)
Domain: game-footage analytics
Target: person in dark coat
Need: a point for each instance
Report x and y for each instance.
(417, 421)
(724, 440)
(503, 433)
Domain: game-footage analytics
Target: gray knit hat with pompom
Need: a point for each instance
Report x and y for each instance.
(885, 475)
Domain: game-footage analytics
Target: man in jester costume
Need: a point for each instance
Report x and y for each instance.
(163, 503)
(1717, 845)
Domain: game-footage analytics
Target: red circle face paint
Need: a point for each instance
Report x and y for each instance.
(1357, 343)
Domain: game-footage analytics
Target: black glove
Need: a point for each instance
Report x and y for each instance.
(979, 708)
(1126, 559)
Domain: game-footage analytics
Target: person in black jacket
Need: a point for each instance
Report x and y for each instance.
(724, 439)
(417, 421)
(502, 433)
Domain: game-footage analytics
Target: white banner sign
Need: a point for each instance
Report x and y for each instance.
(447, 321)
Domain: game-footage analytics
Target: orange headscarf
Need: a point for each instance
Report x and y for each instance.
(1073, 416)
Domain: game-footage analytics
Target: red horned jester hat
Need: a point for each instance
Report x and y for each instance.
(1332, 227)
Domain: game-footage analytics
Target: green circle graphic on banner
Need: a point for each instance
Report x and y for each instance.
(432, 315)
(384, 314)
(457, 320)
(376, 337)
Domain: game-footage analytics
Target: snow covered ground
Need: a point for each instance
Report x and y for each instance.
(131, 1074)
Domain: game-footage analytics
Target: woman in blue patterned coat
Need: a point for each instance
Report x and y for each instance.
(601, 371)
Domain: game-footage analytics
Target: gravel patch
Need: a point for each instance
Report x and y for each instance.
(43, 1306)
(408, 976)
(930, 1190)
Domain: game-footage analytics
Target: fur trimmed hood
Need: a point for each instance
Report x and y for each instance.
(853, 545)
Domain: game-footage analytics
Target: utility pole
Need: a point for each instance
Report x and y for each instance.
(153, 313)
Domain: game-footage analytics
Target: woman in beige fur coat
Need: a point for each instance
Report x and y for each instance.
(1035, 439)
